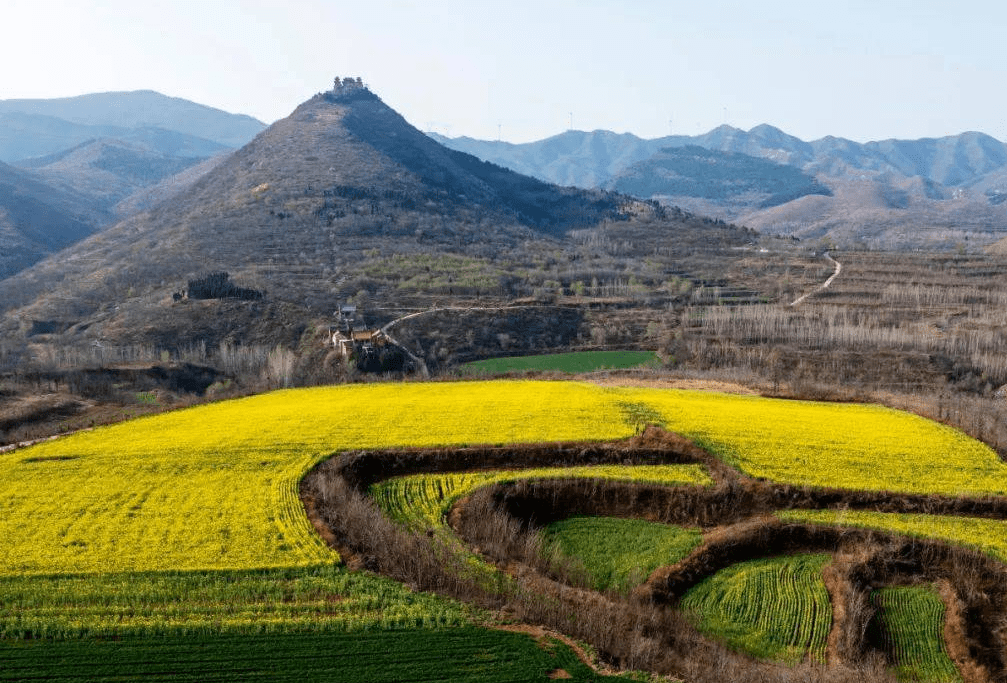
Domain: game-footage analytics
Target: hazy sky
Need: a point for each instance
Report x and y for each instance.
(862, 70)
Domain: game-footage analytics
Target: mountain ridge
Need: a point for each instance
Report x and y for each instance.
(37, 219)
(143, 109)
(931, 158)
(295, 213)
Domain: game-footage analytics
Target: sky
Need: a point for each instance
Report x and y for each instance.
(523, 70)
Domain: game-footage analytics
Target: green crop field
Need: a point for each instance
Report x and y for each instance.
(619, 554)
(298, 599)
(462, 654)
(573, 362)
(775, 608)
(911, 621)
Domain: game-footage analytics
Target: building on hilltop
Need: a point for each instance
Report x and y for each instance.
(348, 84)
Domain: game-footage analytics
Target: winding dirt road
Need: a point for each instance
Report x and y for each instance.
(825, 285)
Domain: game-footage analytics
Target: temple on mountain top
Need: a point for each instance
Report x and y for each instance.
(347, 84)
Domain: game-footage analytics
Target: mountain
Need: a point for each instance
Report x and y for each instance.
(932, 192)
(954, 161)
(572, 158)
(130, 111)
(899, 214)
(170, 186)
(99, 151)
(28, 136)
(37, 219)
(107, 169)
(727, 178)
(302, 213)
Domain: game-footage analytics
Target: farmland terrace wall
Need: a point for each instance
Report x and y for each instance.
(503, 520)
(864, 560)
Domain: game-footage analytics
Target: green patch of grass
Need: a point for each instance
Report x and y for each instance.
(470, 655)
(910, 622)
(573, 362)
(619, 554)
(775, 608)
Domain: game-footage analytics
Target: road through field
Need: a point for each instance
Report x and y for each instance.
(825, 285)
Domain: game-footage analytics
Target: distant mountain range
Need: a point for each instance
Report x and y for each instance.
(592, 159)
(728, 178)
(32, 128)
(81, 160)
(893, 193)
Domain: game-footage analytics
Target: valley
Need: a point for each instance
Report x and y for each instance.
(332, 386)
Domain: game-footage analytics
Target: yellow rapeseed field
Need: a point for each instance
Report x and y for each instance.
(215, 487)
(422, 500)
(842, 445)
(184, 500)
(986, 535)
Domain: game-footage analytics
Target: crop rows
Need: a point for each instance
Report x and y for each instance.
(986, 535)
(775, 608)
(422, 500)
(911, 621)
(619, 554)
(461, 654)
(323, 598)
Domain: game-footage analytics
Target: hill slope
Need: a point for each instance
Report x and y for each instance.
(108, 169)
(295, 213)
(725, 177)
(37, 219)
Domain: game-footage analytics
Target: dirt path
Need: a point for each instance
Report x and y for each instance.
(823, 286)
(543, 635)
(419, 362)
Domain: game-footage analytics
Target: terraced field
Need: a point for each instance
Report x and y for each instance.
(910, 620)
(840, 445)
(776, 608)
(423, 500)
(986, 535)
(190, 522)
